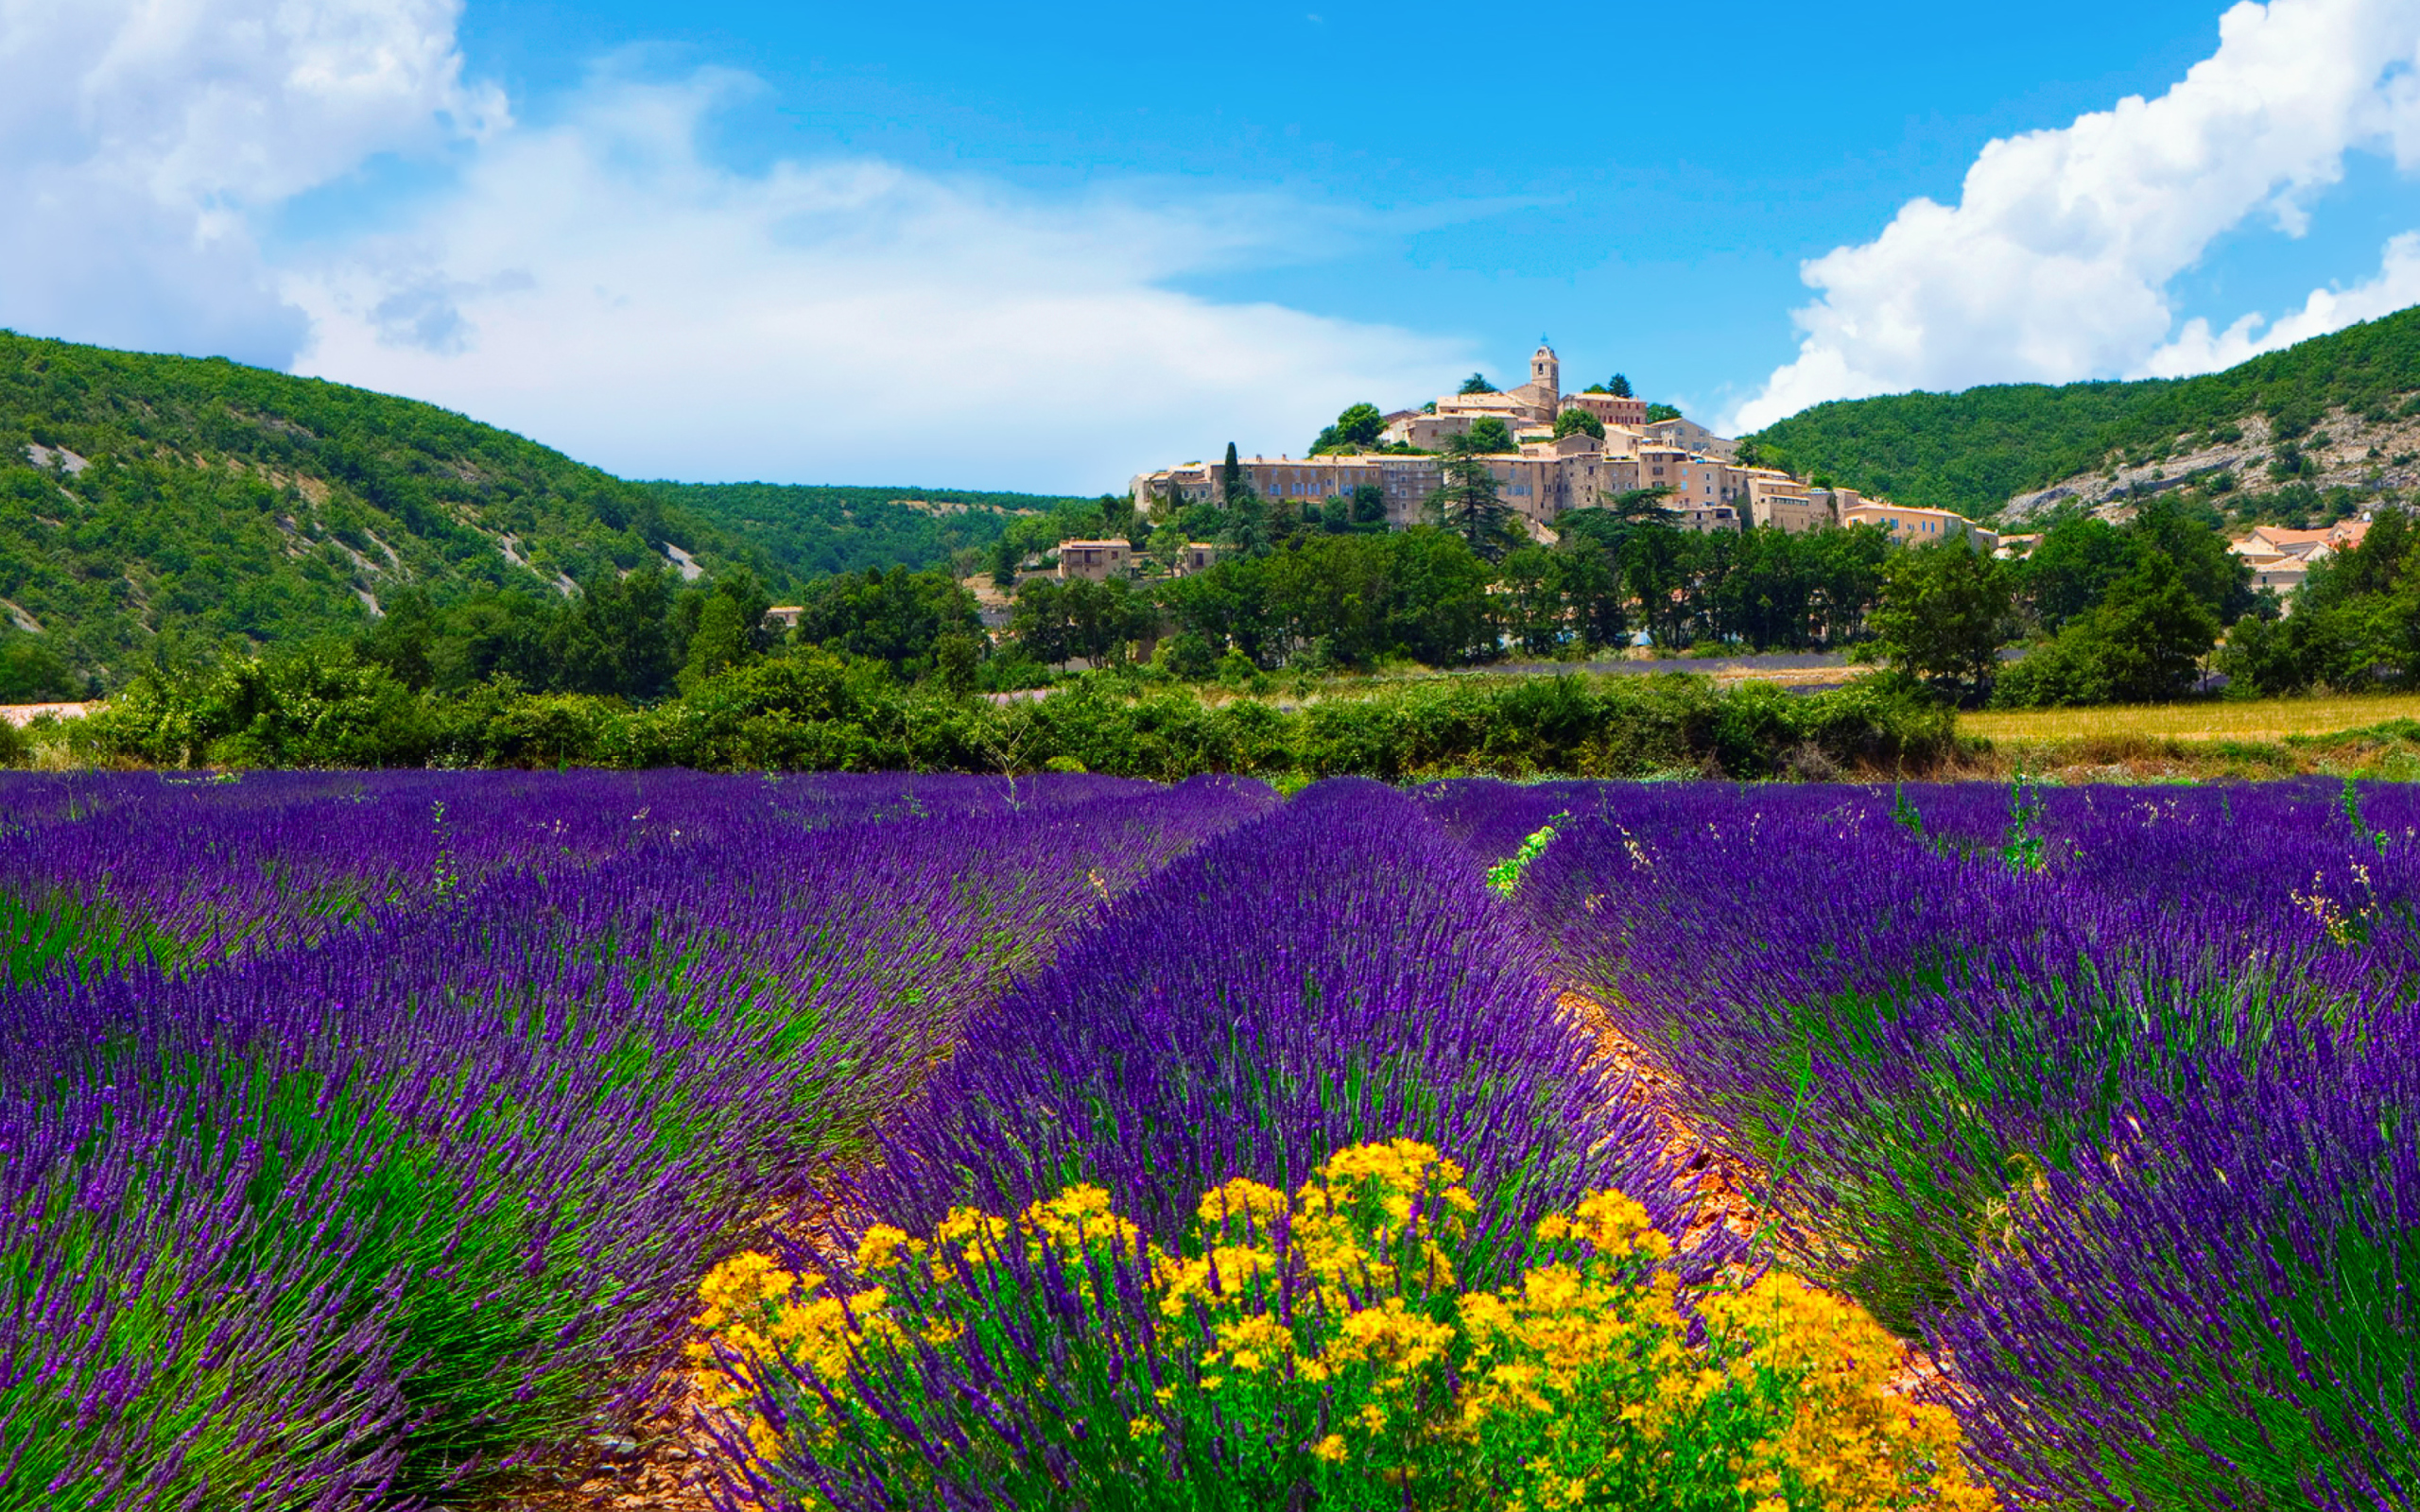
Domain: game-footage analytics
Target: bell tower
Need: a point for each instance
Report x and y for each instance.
(1546, 374)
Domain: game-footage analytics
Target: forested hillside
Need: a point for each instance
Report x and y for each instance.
(147, 496)
(141, 495)
(1974, 450)
(810, 531)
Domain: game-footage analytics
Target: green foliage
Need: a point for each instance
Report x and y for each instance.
(2079, 557)
(1658, 412)
(1417, 594)
(2153, 632)
(805, 532)
(227, 502)
(1972, 451)
(812, 709)
(1504, 877)
(2023, 849)
(1945, 612)
(2144, 642)
(1355, 430)
(1465, 504)
(1572, 421)
(898, 618)
(1096, 621)
(32, 671)
(1487, 434)
(2355, 623)
(1477, 384)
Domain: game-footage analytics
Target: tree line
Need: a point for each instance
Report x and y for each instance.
(2101, 612)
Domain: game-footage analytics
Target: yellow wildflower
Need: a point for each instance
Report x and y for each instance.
(883, 1246)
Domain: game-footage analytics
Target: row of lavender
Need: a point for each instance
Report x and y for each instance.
(359, 1134)
(1331, 977)
(2109, 1095)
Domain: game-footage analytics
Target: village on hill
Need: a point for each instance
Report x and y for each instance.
(1549, 453)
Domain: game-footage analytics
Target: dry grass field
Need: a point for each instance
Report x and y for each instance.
(2266, 719)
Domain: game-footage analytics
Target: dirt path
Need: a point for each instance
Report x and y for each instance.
(665, 1466)
(1723, 1184)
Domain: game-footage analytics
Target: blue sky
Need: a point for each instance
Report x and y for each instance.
(1045, 246)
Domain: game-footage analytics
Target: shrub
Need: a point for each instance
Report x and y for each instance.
(1313, 1352)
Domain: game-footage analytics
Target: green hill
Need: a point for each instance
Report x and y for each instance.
(811, 531)
(1972, 451)
(145, 495)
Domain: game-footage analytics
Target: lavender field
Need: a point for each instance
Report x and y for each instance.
(398, 1141)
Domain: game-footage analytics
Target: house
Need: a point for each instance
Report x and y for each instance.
(1912, 527)
(2281, 559)
(1095, 560)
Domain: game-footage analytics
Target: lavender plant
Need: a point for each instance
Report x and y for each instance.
(1958, 1024)
(1331, 975)
(325, 1224)
(2221, 1316)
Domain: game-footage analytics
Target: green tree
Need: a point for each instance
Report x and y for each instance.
(1058, 621)
(1619, 388)
(1590, 582)
(2143, 643)
(2188, 536)
(1578, 420)
(1477, 384)
(1532, 605)
(404, 640)
(2153, 632)
(1247, 522)
(618, 638)
(1487, 434)
(1355, 430)
(896, 617)
(1944, 614)
(1645, 559)
(956, 658)
(1436, 599)
(1659, 412)
(1467, 504)
(32, 671)
(2069, 573)
(719, 643)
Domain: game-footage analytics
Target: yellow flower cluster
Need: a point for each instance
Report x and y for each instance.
(1853, 1444)
(756, 1312)
(1336, 1310)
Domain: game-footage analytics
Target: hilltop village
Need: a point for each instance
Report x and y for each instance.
(1550, 453)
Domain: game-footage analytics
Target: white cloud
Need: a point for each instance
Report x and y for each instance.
(139, 139)
(600, 284)
(2196, 350)
(2055, 263)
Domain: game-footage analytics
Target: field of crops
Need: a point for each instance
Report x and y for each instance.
(889, 1141)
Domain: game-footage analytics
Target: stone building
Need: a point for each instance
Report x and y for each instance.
(1543, 476)
(1096, 559)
